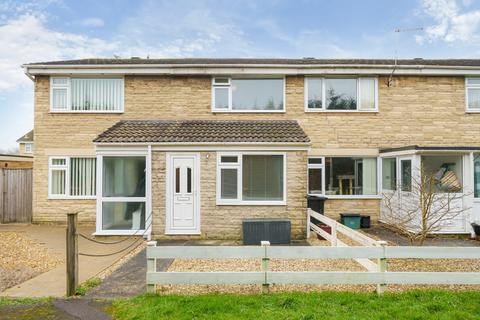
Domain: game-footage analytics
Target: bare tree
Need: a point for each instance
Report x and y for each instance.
(423, 206)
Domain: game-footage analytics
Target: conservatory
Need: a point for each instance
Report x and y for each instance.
(439, 186)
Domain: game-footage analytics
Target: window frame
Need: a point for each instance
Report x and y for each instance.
(68, 87)
(230, 95)
(316, 166)
(397, 187)
(66, 168)
(101, 198)
(239, 166)
(346, 196)
(30, 147)
(468, 87)
(324, 100)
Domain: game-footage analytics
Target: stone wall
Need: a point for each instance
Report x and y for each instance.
(225, 221)
(422, 110)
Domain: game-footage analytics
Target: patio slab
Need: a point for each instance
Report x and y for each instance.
(436, 241)
(53, 282)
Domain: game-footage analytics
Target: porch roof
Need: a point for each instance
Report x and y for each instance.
(205, 131)
(430, 148)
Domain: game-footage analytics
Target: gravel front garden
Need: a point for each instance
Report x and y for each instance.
(299, 265)
(22, 259)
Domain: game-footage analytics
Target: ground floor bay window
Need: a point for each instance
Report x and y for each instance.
(121, 203)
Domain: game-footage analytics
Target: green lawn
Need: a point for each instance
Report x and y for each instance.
(320, 305)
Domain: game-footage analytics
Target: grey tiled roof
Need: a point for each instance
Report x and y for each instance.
(26, 137)
(266, 61)
(208, 131)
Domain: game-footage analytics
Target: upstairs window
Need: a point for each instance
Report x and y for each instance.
(28, 147)
(341, 94)
(86, 94)
(472, 95)
(248, 95)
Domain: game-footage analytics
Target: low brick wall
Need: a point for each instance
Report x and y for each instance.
(369, 207)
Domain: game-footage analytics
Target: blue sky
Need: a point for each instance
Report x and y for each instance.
(45, 30)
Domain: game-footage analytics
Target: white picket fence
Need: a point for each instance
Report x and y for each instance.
(347, 232)
(265, 277)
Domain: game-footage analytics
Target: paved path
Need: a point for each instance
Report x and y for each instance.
(438, 241)
(128, 280)
(73, 309)
(53, 282)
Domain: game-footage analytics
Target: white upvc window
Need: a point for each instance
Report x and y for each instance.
(316, 178)
(72, 177)
(343, 177)
(255, 178)
(86, 95)
(472, 94)
(122, 194)
(254, 94)
(335, 94)
(28, 147)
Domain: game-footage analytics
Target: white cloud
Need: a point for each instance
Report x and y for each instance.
(27, 39)
(450, 23)
(92, 22)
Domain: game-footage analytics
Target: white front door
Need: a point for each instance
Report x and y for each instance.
(183, 186)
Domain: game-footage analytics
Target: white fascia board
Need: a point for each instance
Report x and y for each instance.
(423, 152)
(248, 70)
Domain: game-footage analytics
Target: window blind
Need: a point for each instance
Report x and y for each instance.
(96, 94)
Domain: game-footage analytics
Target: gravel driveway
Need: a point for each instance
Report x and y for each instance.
(22, 259)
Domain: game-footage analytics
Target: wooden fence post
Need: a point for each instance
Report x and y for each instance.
(334, 234)
(265, 264)
(72, 254)
(151, 266)
(2, 192)
(382, 267)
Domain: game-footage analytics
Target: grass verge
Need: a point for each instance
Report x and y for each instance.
(420, 304)
(5, 301)
(87, 286)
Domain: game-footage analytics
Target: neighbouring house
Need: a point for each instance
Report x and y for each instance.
(25, 144)
(192, 147)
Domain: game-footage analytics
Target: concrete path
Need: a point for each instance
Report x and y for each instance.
(437, 241)
(53, 282)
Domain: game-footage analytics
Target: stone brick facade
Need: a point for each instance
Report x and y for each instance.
(225, 221)
(422, 110)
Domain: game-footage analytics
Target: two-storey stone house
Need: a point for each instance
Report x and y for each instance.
(191, 147)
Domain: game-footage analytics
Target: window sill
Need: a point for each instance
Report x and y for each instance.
(353, 197)
(341, 111)
(472, 111)
(251, 203)
(86, 112)
(119, 233)
(71, 198)
(248, 111)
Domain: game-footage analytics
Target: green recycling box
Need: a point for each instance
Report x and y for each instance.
(351, 220)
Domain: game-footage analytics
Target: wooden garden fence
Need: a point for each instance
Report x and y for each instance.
(266, 277)
(15, 195)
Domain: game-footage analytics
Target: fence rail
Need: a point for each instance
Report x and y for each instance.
(267, 277)
(347, 232)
